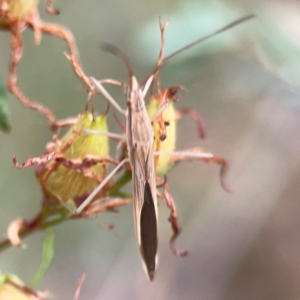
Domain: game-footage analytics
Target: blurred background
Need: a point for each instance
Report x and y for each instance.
(245, 83)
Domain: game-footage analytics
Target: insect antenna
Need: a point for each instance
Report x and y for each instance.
(112, 49)
(199, 41)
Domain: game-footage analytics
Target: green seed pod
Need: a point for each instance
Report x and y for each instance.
(66, 183)
(18, 9)
(163, 163)
(21, 8)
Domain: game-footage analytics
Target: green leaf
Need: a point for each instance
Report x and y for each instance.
(4, 110)
(48, 251)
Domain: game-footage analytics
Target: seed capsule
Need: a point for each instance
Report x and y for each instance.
(68, 183)
(18, 9)
(166, 140)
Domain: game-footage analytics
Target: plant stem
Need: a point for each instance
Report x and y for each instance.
(37, 223)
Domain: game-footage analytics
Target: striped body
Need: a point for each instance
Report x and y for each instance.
(140, 143)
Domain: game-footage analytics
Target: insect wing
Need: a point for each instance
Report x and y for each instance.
(148, 227)
(140, 140)
(145, 212)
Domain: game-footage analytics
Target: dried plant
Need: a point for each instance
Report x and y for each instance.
(77, 163)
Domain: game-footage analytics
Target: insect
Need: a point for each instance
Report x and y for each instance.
(140, 139)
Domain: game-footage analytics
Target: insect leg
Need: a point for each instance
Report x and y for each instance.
(100, 186)
(147, 85)
(159, 111)
(110, 205)
(114, 136)
(108, 97)
(103, 133)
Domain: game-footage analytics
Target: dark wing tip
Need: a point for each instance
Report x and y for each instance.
(148, 226)
(151, 275)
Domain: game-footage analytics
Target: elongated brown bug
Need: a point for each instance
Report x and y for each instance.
(140, 138)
